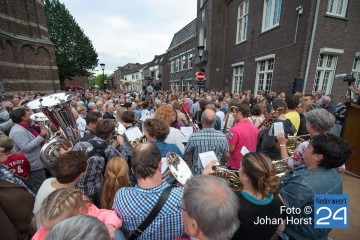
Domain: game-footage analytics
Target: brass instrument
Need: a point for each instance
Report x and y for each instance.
(195, 124)
(294, 141)
(232, 113)
(181, 172)
(136, 142)
(233, 180)
(271, 117)
(57, 109)
(280, 167)
(178, 168)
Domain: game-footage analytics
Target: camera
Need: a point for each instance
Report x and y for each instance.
(346, 78)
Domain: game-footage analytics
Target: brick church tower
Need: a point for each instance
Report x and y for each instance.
(27, 56)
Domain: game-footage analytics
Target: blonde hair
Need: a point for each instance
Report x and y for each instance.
(116, 177)
(119, 113)
(6, 143)
(259, 168)
(69, 201)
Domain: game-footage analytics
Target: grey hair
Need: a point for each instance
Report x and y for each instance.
(213, 205)
(107, 105)
(206, 120)
(91, 104)
(79, 227)
(320, 120)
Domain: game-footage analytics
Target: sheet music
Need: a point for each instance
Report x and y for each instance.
(244, 150)
(133, 133)
(278, 128)
(186, 131)
(207, 157)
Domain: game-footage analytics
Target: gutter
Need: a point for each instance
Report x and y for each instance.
(311, 45)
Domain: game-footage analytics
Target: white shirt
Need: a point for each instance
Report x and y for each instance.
(81, 125)
(175, 137)
(221, 115)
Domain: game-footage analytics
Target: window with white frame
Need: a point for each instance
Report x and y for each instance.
(264, 75)
(356, 72)
(337, 8)
(183, 63)
(324, 73)
(271, 14)
(238, 76)
(177, 63)
(190, 60)
(242, 21)
(172, 66)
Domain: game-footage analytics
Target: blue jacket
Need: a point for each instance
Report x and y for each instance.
(298, 188)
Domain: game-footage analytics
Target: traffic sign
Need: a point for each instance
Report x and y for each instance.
(200, 76)
(105, 81)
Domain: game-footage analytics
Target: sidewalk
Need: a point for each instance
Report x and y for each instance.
(351, 186)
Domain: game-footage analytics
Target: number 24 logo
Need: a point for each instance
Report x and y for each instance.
(321, 221)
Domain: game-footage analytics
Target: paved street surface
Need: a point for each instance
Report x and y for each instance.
(351, 186)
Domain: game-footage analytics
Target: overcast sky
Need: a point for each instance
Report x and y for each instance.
(124, 31)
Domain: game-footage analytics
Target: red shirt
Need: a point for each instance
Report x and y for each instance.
(187, 109)
(18, 165)
(245, 133)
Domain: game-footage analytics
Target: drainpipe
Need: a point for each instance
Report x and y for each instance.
(311, 44)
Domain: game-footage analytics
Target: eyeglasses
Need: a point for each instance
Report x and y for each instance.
(180, 207)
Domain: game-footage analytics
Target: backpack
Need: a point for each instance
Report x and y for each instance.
(99, 149)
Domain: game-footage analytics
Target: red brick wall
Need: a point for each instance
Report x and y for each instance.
(27, 57)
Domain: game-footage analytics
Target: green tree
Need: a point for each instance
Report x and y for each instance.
(97, 80)
(75, 54)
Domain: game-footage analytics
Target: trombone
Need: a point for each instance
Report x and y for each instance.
(232, 113)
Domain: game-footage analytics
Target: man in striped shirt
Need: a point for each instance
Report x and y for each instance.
(208, 139)
(133, 204)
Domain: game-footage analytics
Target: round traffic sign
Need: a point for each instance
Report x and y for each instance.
(105, 81)
(200, 76)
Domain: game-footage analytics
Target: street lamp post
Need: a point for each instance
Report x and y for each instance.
(102, 65)
(200, 54)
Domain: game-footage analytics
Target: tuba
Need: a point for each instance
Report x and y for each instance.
(181, 172)
(57, 109)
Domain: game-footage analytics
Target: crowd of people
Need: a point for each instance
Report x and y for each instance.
(107, 187)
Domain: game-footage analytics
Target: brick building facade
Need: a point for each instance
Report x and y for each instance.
(27, 56)
(262, 44)
(182, 59)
